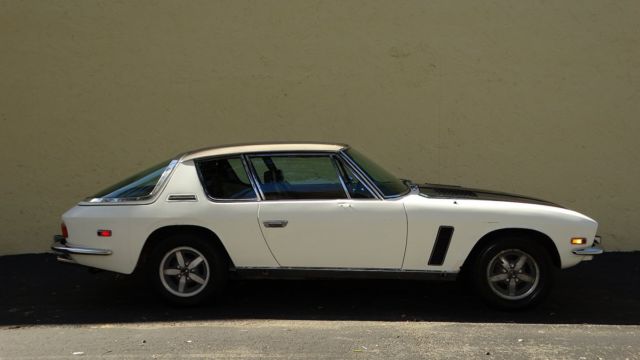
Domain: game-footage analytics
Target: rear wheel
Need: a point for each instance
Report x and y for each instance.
(513, 273)
(186, 269)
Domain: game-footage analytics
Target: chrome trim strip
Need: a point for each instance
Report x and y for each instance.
(251, 172)
(334, 273)
(290, 153)
(344, 269)
(78, 250)
(182, 197)
(588, 251)
(335, 166)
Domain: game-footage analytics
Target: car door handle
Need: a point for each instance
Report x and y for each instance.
(275, 223)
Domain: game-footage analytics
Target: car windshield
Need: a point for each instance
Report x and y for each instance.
(136, 186)
(387, 183)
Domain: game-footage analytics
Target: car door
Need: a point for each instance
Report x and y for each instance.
(310, 218)
(231, 209)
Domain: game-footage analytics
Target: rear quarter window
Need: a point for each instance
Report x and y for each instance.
(225, 179)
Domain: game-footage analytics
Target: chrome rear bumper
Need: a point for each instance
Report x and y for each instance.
(60, 247)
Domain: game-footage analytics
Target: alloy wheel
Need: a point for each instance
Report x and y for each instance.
(184, 271)
(513, 274)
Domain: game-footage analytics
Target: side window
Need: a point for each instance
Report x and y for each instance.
(225, 179)
(287, 177)
(355, 187)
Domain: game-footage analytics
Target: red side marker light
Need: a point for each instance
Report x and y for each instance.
(65, 232)
(104, 233)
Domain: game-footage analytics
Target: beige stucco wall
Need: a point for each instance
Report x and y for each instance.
(534, 97)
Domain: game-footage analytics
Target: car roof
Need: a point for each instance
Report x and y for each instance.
(262, 147)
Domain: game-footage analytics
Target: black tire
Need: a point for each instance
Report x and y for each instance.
(206, 279)
(511, 285)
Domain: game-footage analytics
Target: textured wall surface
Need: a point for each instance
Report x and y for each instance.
(533, 97)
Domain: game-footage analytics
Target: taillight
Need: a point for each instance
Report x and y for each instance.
(65, 232)
(104, 233)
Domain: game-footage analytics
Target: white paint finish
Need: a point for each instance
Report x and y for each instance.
(472, 219)
(234, 223)
(328, 233)
(126, 241)
(267, 147)
(336, 233)
(425, 216)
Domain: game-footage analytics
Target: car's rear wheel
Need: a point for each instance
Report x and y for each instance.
(186, 269)
(513, 273)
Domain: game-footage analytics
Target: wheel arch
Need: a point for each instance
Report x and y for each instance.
(162, 232)
(524, 234)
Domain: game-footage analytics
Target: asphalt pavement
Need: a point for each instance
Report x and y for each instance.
(52, 310)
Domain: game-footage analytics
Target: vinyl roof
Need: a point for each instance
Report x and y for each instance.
(262, 147)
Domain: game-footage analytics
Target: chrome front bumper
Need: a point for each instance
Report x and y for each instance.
(63, 250)
(589, 251)
(595, 249)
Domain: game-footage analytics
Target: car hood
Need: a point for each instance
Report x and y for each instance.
(458, 192)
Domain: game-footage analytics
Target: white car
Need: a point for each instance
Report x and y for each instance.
(305, 210)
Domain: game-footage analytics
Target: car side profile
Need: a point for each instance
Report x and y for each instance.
(305, 210)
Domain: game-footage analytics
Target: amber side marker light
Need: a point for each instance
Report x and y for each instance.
(104, 233)
(578, 241)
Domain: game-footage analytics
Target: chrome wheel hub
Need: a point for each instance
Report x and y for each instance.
(513, 274)
(184, 271)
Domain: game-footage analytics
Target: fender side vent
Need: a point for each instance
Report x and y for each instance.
(182, 197)
(441, 246)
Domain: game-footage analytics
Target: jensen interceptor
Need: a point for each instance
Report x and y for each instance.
(305, 210)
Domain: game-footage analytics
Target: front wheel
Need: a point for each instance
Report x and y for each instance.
(186, 269)
(513, 273)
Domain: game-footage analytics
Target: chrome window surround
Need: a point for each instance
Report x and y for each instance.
(358, 176)
(329, 154)
(336, 156)
(244, 166)
(334, 162)
(164, 179)
(372, 184)
(141, 200)
(361, 175)
(252, 177)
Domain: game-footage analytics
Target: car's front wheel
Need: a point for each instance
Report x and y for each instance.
(513, 273)
(186, 269)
